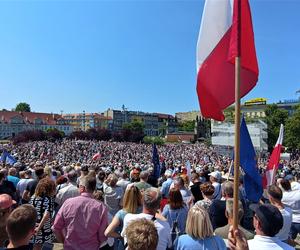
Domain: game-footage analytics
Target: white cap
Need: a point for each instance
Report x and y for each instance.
(216, 174)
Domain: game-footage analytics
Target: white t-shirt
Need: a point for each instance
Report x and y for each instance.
(292, 200)
(295, 185)
(163, 229)
(65, 193)
(267, 243)
(287, 214)
(22, 184)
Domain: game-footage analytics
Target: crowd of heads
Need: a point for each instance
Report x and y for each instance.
(122, 178)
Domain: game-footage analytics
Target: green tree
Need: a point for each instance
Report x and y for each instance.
(153, 140)
(188, 126)
(229, 114)
(23, 107)
(292, 130)
(134, 125)
(133, 131)
(274, 117)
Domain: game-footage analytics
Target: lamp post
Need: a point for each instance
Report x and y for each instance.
(83, 116)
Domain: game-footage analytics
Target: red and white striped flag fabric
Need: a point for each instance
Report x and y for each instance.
(96, 156)
(223, 36)
(273, 163)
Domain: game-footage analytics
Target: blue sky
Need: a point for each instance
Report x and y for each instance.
(92, 55)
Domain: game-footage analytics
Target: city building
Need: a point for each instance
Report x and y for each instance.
(187, 116)
(254, 108)
(12, 123)
(222, 135)
(155, 124)
(166, 124)
(289, 105)
(84, 121)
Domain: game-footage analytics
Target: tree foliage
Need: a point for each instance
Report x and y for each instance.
(23, 107)
(133, 132)
(104, 134)
(188, 126)
(292, 130)
(153, 140)
(54, 134)
(274, 117)
(79, 135)
(30, 135)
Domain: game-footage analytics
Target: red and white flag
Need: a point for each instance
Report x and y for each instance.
(273, 163)
(221, 34)
(96, 156)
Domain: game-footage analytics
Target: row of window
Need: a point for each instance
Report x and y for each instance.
(21, 128)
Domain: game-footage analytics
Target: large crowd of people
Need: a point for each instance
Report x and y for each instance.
(106, 195)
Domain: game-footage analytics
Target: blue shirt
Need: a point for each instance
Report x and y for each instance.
(179, 214)
(13, 179)
(186, 242)
(165, 188)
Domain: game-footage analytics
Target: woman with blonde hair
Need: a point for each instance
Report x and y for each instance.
(43, 202)
(199, 232)
(48, 171)
(132, 202)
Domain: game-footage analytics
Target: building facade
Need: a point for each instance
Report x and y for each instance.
(84, 121)
(289, 105)
(187, 116)
(223, 134)
(12, 123)
(155, 124)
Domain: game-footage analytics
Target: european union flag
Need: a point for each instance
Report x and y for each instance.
(252, 178)
(155, 161)
(7, 158)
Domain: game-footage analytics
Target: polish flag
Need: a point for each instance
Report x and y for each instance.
(273, 163)
(96, 156)
(224, 35)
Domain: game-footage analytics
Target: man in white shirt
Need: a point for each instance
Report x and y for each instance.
(275, 196)
(151, 202)
(22, 184)
(267, 222)
(68, 191)
(291, 198)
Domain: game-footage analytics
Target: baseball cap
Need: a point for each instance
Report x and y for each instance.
(6, 201)
(216, 174)
(270, 217)
(168, 172)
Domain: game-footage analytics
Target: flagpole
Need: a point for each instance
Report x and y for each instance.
(237, 144)
(237, 123)
(230, 169)
(273, 175)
